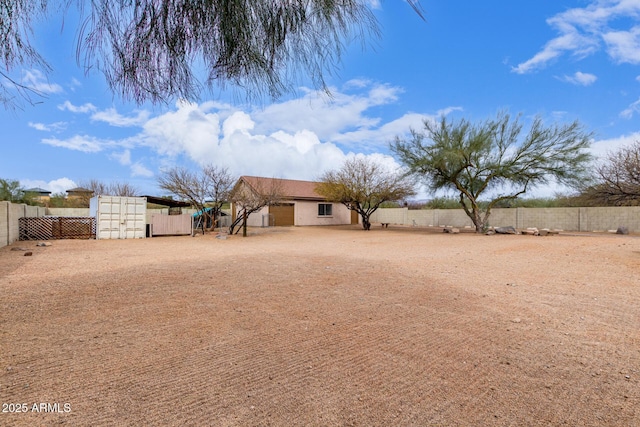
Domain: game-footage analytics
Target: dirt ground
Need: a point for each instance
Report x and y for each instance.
(323, 326)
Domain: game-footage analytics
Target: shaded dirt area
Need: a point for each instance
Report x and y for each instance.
(323, 326)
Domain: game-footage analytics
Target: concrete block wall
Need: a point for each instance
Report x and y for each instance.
(15, 212)
(568, 219)
(10, 213)
(503, 218)
(603, 219)
(4, 224)
(70, 212)
(390, 215)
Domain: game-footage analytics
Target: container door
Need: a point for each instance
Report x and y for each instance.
(133, 224)
(108, 217)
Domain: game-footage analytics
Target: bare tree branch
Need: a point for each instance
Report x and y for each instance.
(619, 178)
(362, 186)
(206, 189)
(250, 196)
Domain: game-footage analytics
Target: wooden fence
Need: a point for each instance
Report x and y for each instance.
(54, 228)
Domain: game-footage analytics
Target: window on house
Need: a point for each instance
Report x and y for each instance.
(325, 209)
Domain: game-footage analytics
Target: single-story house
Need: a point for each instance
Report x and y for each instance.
(41, 195)
(79, 193)
(298, 204)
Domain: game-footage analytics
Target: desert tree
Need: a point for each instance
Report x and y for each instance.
(618, 178)
(362, 185)
(100, 188)
(11, 190)
(123, 189)
(251, 194)
(150, 50)
(492, 160)
(219, 185)
(206, 189)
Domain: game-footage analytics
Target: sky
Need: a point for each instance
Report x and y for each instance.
(561, 60)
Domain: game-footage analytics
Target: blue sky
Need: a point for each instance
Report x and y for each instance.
(561, 60)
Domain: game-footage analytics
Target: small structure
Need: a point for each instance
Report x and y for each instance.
(119, 217)
(299, 204)
(79, 193)
(40, 194)
(174, 224)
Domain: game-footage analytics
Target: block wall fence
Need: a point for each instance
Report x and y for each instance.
(567, 219)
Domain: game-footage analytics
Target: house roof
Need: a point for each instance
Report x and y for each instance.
(38, 190)
(167, 202)
(290, 188)
(79, 190)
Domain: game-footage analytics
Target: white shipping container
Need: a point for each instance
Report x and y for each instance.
(119, 217)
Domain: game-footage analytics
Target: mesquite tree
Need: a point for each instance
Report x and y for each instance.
(618, 180)
(362, 185)
(492, 160)
(251, 194)
(207, 190)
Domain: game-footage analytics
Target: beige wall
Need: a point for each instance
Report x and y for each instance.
(10, 213)
(306, 213)
(69, 212)
(568, 219)
(255, 219)
(4, 224)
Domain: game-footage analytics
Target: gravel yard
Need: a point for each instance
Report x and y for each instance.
(323, 326)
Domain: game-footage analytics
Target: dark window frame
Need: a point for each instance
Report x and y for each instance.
(325, 209)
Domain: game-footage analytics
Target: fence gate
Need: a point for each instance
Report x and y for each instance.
(171, 225)
(57, 227)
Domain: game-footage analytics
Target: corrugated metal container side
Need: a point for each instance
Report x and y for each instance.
(119, 217)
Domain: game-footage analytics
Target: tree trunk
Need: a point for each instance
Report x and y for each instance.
(244, 224)
(366, 225)
(478, 221)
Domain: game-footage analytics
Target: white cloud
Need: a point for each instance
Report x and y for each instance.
(138, 169)
(190, 130)
(113, 118)
(580, 78)
(324, 116)
(75, 83)
(36, 80)
(59, 185)
(583, 31)
(297, 139)
(629, 111)
(85, 108)
(602, 147)
(123, 158)
(624, 46)
(51, 127)
(86, 144)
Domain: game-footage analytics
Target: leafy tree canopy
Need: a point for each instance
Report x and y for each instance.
(493, 160)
